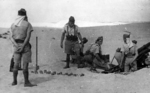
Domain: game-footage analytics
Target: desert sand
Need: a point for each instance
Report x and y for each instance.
(50, 55)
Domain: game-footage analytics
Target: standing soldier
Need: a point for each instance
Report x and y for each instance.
(20, 35)
(72, 34)
(130, 53)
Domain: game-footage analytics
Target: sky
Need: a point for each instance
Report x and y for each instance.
(86, 12)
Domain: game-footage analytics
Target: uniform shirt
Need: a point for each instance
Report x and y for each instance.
(20, 32)
(95, 49)
(129, 50)
(71, 32)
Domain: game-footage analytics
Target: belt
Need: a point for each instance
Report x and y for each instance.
(19, 41)
(71, 40)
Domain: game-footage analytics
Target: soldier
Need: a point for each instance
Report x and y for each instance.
(20, 36)
(94, 56)
(84, 41)
(72, 46)
(130, 53)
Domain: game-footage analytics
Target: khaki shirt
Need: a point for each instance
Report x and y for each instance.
(95, 48)
(129, 50)
(20, 32)
(70, 30)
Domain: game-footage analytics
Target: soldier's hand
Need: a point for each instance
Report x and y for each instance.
(16, 45)
(61, 45)
(82, 45)
(20, 49)
(118, 50)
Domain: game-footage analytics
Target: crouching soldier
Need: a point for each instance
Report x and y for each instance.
(131, 53)
(93, 55)
(20, 35)
(74, 57)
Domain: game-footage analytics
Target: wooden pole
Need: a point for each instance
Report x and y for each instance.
(37, 67)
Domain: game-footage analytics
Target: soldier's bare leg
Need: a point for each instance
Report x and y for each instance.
(17, 59)
(26, 75)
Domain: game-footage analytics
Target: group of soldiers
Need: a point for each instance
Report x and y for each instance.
(125, 56)
(20, 33)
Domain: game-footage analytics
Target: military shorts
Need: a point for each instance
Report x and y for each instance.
(72, 47)
(130, 63)
(24, 56)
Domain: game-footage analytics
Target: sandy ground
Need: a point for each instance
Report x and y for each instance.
(50, 55)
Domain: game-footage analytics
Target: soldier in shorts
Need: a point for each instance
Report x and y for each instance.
(93, 55)
(72, 46)
(20, 36)
(130, 53)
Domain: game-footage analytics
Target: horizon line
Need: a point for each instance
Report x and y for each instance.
(57, 25)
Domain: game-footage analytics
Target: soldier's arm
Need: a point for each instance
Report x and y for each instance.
(136, 53)
(79, 34)
(62, 37)
(97, 54)
(80, 37)
(98, 57)
(11, 37)
(30, 29)
(123, 53)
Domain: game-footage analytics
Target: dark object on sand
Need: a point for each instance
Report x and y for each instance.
(32, 71)
(41, 72)
(82, 75)
(69, 74)
(75, 75)
(45, 71)
(53, 73)
(66, 74)
(112, 70)
(60, 73)
(48, 72)
(53, 38)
